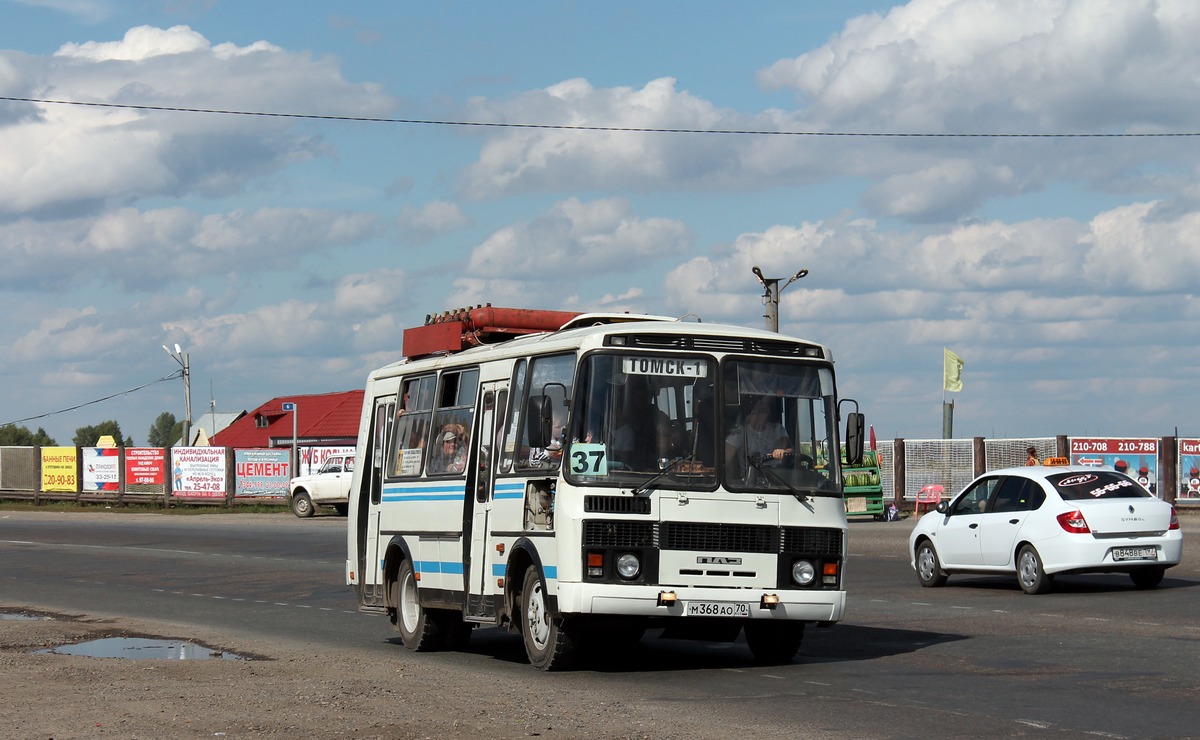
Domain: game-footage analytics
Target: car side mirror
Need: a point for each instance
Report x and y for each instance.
(943, 507)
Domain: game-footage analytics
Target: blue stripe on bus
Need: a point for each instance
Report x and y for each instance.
(438, 566)
(498, 571)
(509, 490)
(452, 492)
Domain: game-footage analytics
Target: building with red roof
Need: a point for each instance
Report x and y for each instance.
(325, 419)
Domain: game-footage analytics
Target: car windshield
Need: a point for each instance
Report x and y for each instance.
(1100, 484)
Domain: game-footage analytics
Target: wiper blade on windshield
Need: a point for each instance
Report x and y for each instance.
(645, 487)
(779, 481)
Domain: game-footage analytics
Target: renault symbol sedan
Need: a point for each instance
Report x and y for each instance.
(1039, 521)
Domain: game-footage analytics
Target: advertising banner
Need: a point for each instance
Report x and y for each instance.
(312, 458)
(1189, 473)
(1136, 457)
(145, 466)
(198, 472)
(262, 472)
(101, 468)
(58, 469)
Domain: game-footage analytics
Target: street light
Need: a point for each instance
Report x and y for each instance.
(771, 296)
(181, 357)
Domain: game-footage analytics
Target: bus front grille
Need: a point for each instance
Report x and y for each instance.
(711, 537)
(601, 533)
(810, 541)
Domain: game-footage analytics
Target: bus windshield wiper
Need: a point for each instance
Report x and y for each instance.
(645, 487)
(779, 481)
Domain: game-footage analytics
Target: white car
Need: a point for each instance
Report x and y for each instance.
(1039, 521)
(328, 486)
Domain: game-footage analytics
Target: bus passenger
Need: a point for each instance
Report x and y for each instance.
(453, 453)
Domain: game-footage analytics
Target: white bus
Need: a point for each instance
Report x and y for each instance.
(581, 478)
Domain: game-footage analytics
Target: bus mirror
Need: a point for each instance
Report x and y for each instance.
(855, 423)
(537, 420)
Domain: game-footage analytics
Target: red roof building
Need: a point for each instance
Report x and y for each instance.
(326, 419)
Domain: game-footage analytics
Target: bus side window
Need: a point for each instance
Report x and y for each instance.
(551, 380)
(452, 423)
(510, 430)
(411, 428)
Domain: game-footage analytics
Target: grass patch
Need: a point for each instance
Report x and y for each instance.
(177, 509)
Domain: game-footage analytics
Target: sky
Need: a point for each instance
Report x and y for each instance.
(1016, 181)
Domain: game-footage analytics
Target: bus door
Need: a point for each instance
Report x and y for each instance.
(370, 573)
(486, 456)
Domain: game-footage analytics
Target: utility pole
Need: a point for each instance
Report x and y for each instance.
(185, 372)
(771, 295)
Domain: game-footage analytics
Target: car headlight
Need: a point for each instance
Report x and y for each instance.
(803, 572)
(628, 565)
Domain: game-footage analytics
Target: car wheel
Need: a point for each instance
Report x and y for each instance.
(1030, 574)
(1147, 577)
(929, 573)
(774, 643)
(302, 505)
(418, 627)
(549, 642)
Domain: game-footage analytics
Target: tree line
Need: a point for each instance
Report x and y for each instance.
(164, 432)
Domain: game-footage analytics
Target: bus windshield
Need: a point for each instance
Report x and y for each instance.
(779, 422)
(639, 416)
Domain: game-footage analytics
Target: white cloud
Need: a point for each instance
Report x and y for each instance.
(145, 250)
(572, 244)
(129, 154)
(419, 225)
(930, 66)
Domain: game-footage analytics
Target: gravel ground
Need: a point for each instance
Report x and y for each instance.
(286, 691)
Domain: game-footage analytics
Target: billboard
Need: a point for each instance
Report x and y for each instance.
(198, 472)
(1137, 457)
(262, 472)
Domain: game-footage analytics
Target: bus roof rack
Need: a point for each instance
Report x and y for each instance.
(463, 328)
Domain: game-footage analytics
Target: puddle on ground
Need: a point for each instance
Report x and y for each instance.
(142, 648)
(11, 617)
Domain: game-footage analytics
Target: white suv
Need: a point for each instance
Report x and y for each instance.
(328, 486)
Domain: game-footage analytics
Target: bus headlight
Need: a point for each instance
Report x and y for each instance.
(803, 572)
(628, 566)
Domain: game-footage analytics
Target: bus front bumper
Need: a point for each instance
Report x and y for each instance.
(688, 601)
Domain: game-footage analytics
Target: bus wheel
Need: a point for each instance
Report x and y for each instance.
(417, 627)
(548, 643)
(773, 643)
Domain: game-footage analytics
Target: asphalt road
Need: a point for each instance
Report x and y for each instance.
(976, 657)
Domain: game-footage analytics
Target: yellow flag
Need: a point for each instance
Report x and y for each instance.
(952, 372)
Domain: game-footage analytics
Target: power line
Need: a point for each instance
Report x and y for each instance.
(172, 376)
(625, 129)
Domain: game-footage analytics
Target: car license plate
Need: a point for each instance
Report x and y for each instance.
(716, 609)
(1135, 553)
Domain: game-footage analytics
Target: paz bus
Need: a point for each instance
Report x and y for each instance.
(580, 478)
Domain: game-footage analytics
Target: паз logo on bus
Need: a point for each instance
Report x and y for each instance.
(716, 560)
